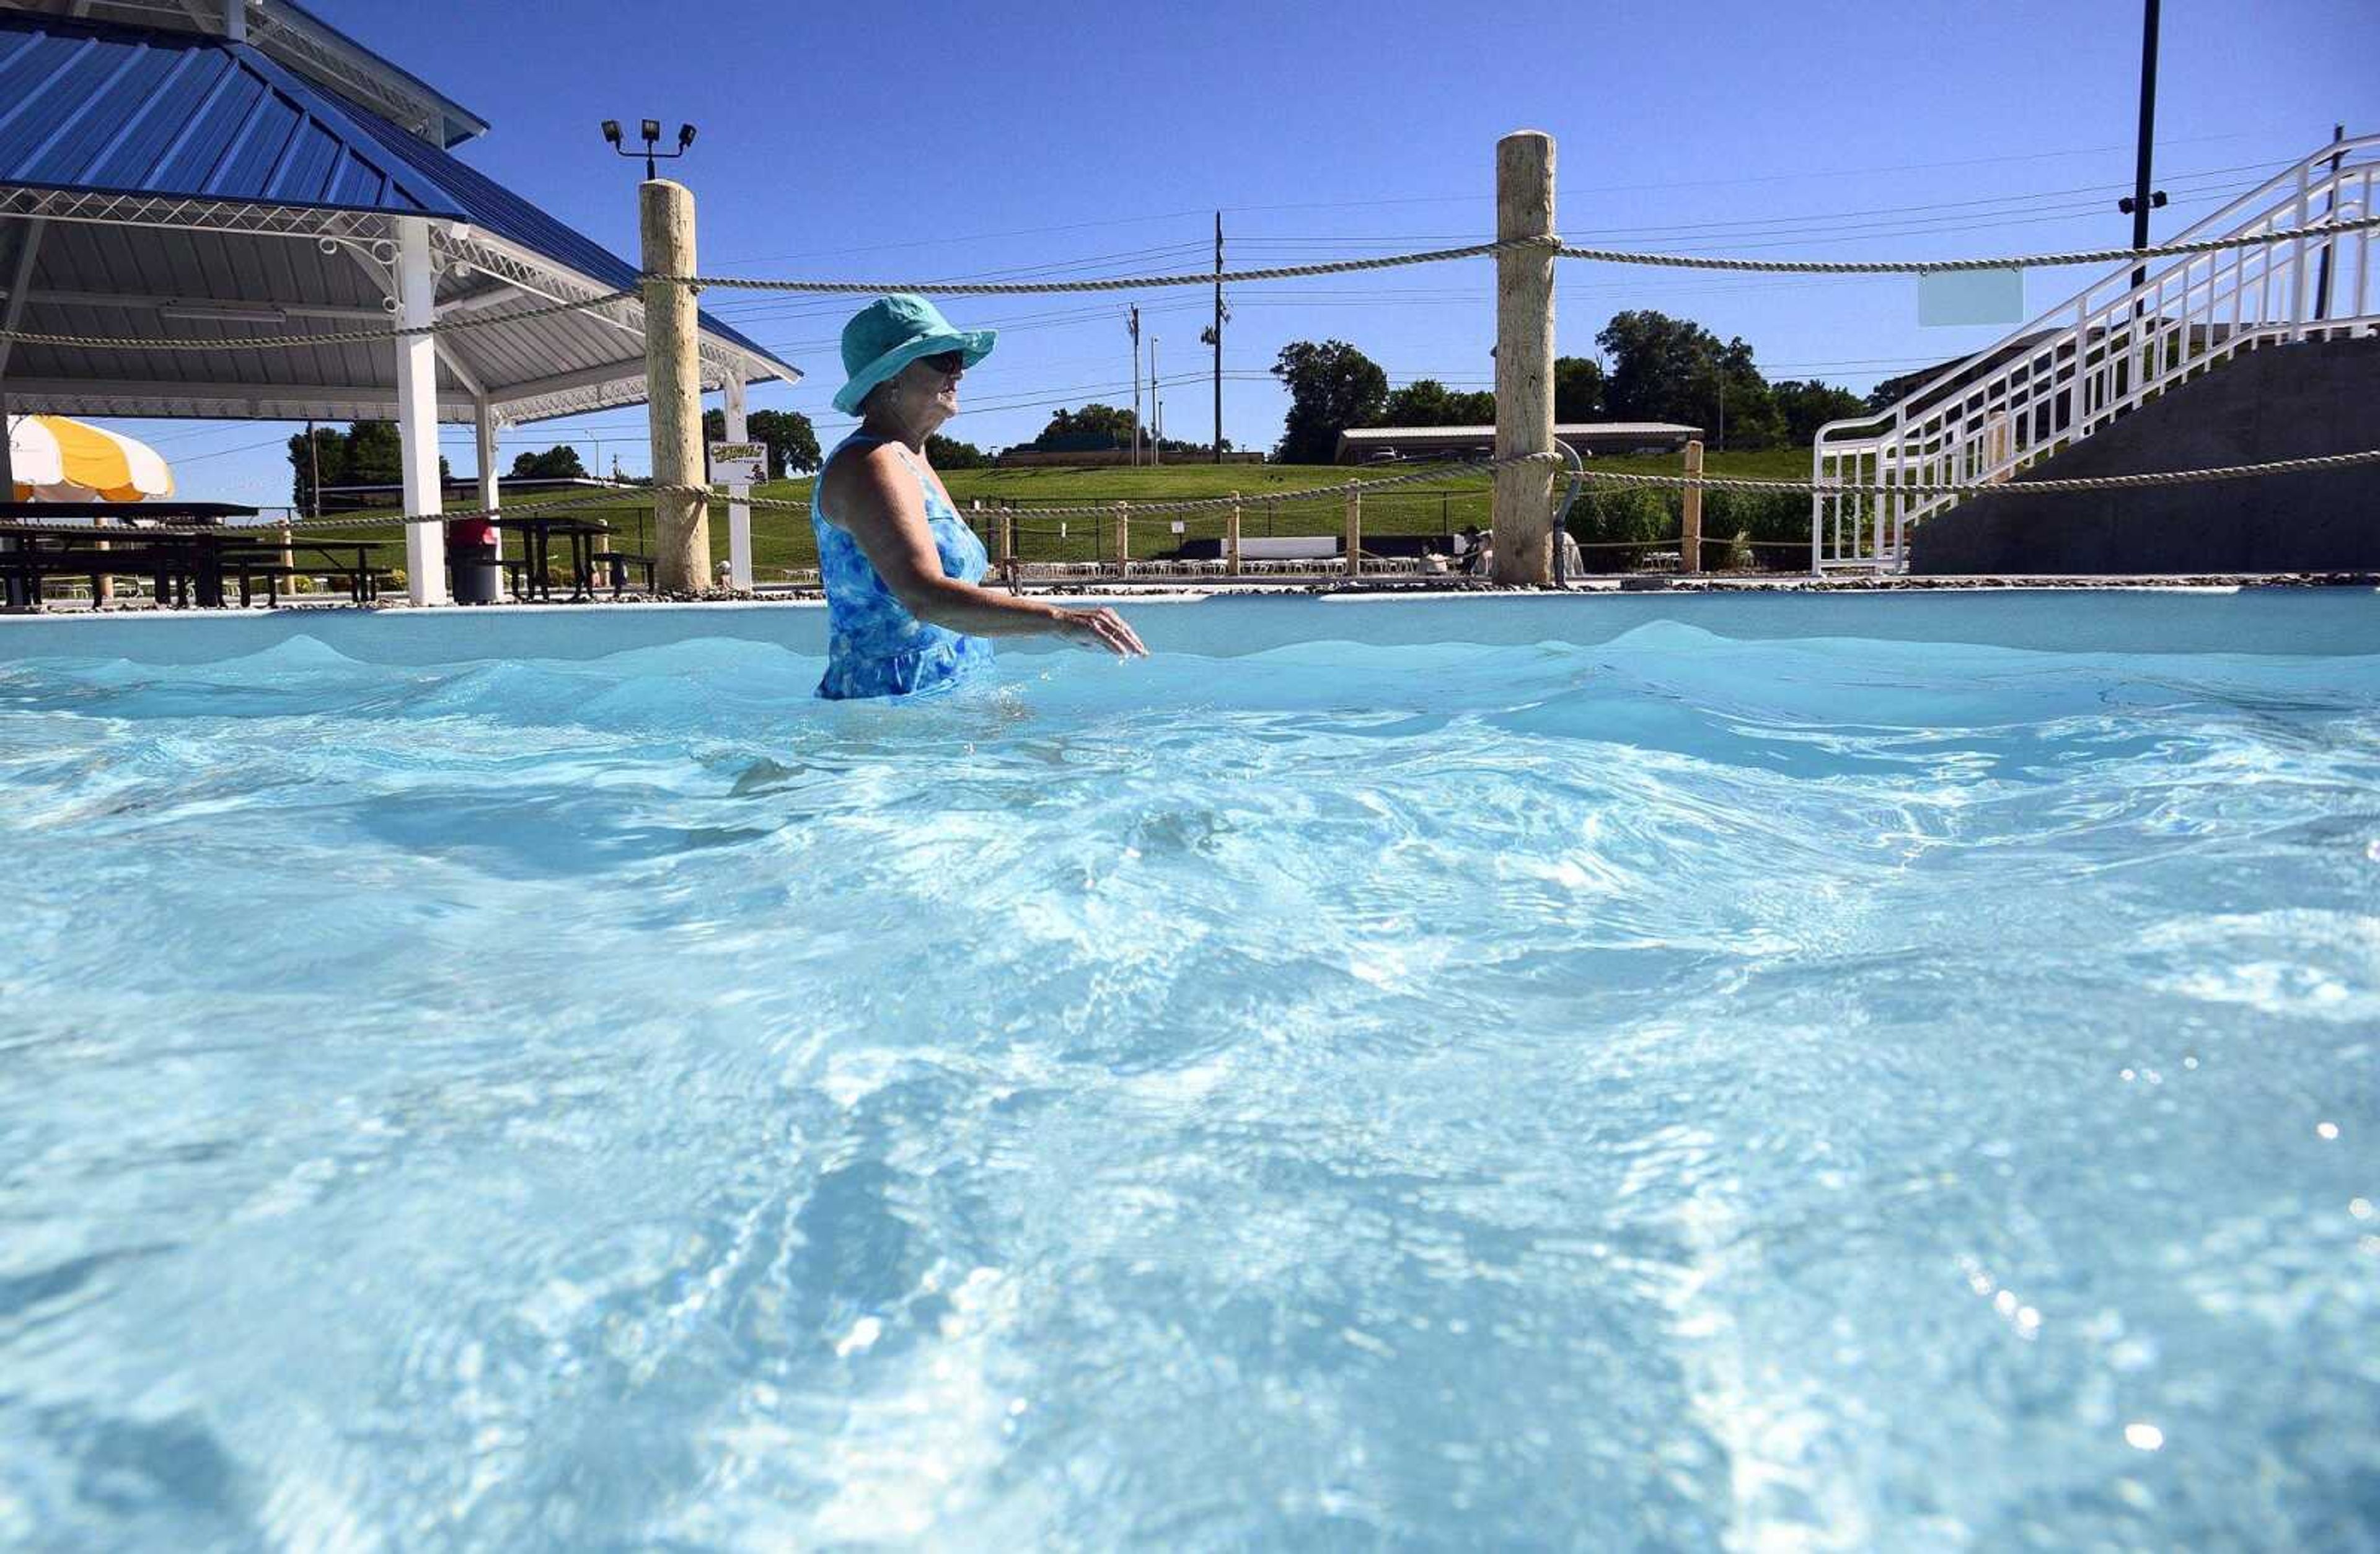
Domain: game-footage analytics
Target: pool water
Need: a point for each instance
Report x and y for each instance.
(1696, 1075)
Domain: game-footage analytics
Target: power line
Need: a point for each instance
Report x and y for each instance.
(1752, 178)
(1287, 239)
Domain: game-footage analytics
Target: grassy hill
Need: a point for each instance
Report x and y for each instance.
(1278, 499)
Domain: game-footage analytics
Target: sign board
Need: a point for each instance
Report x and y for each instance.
(1968, 297)
(739, 464)
(1179, 527)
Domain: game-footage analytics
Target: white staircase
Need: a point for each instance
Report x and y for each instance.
(2101, 352)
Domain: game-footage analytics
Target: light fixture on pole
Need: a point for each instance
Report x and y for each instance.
(650, 131)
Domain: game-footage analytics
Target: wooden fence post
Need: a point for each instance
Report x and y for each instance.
(674, 389)
(1524, 359)
(1691, 542)
(1231, 538)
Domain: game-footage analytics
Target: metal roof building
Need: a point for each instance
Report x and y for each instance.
(1365, 444)
(219, 168)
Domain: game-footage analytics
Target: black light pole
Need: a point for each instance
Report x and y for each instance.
(2329, 211)
(2138, 205)
(1215, 337)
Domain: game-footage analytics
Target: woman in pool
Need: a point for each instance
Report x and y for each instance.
(905, 612)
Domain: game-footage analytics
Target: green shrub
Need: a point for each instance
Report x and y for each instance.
(1767, 519)
(1618, 526)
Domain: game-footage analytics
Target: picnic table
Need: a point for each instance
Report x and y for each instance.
(47, 539)
(532, 575)
(186, 549)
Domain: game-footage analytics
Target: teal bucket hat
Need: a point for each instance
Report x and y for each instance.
(892, 332)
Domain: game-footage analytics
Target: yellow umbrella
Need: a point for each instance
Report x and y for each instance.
(54, 459)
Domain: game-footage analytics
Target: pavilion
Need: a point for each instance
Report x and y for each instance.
(211, 169)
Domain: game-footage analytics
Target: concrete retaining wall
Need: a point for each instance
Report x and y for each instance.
(2275, 403)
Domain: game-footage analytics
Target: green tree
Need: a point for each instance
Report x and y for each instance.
(1578, 389)
(788, 435)
(1744, 407)
(949, 453)
(1331, 387)
(1675, 370)
(1809, 404)
(375, 455)
(367, 454)
(1659, 367)
(560, 462)
(1091, 427)
(329, 454)
(1427, 402)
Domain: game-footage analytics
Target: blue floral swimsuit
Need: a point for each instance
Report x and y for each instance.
(874, 645)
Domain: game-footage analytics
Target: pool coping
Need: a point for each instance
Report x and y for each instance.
(1110, 591)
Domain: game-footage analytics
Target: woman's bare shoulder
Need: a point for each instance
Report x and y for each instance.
(869, 476)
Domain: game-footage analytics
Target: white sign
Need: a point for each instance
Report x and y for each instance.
(739, 464)
(1179, 527)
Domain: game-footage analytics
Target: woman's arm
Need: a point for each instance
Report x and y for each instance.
(874, 497)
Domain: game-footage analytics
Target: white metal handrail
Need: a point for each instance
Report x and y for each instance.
(2100, 353)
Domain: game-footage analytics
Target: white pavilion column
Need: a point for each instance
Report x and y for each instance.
(491, 495)
(416, 414)
(740, 513)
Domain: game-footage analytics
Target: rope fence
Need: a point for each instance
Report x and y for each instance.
(2311, 233)
(628, 495)
(2315, 232)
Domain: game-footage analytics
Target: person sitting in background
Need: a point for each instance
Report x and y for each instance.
(902, 570)
(1473, 551)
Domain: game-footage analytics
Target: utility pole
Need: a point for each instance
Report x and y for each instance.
(1156, 409)
(314, 470)
(1215, 334)
(1133, 327)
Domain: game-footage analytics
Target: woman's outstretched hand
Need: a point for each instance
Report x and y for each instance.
(1101, 628)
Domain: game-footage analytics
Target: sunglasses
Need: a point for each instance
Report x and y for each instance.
(948, 363)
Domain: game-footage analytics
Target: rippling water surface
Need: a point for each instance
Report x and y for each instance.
(1677, 1092)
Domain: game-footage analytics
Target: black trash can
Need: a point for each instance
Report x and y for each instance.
(479, 574)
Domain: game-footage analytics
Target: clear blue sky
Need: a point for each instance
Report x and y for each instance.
(946, 141)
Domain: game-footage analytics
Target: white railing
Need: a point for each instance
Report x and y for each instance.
(2100, 353)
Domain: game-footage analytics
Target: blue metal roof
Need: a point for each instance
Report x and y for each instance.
(131, 112)
(121, 110)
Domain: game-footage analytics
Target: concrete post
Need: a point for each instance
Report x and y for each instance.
(1524, 359)
(491, 478)
(1354, 543)
(740, 513)
(1689, 543)
(1231, 538)
(672, 388)
(15, 597)
(416, 414)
